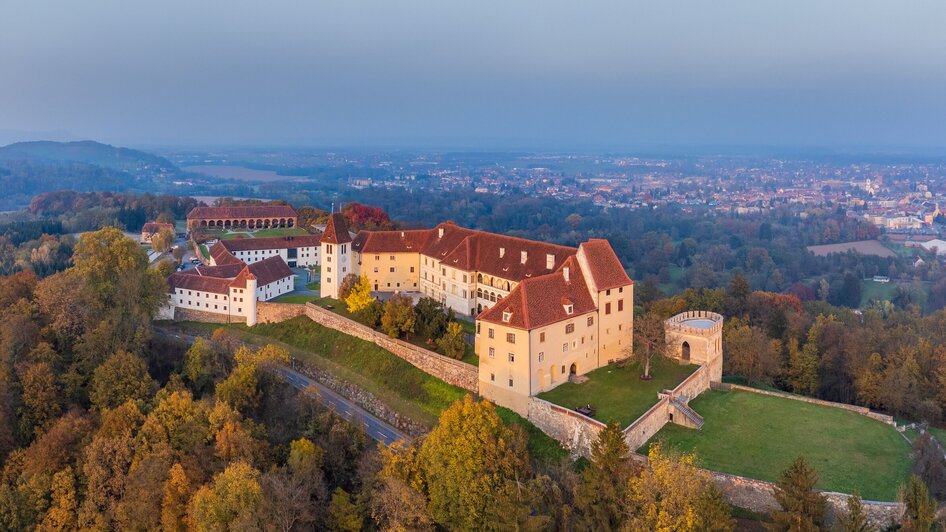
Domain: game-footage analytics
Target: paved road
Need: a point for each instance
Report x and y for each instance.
(374, 427)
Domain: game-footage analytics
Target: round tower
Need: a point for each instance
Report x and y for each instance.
(251, 293)
(696, 337)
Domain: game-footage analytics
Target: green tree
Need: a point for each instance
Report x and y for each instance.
(802, 507)
(466, 460)
(398, 317)
(202, 365)
(230, 501)
(920, 507)
(602, 492)
(240, 389)
(358, 296)
(121, 378)
(432, 320)
(343, 514)
(452, 343)
(802, 369)
(855, 519)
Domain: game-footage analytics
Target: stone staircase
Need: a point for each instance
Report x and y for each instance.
(680, 403)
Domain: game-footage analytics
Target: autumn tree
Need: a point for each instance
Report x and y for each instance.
(358, 297)
(343, 514)
(41, 401)
(348, 284)
(230, 501)
(802, 371)
(202, 365)
(63, 503)
(650, 341)
(602, 492)
(672, 493)
(802, 507)
(122, 377)
(432, 318)
(177, 493)
(241, 388)
(919, 506)
(397, 499)
(750, 353)
(452, 343)
(163, 239)
(398, 317)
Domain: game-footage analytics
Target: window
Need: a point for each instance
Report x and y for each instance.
(492, 377)
(510, 383)
(620, 305)
(591, 320)
(570, 328)
(492, 352)
(541, 356)
(563, 369)
(565, 347)
(621, 290)
(375, 269)
(512, 357)
(412, 269)
(607, 308)
(541, 336)
(391, 258)
(392, 269)
(511, 338)
(607, 292)
(490, 332)
(506, 317)
(569, 309)
(478, 328)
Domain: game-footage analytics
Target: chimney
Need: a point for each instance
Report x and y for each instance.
(502, 252)
(549, 261)
(402, 234)
(565, 273)
(440, 233)
(524, 256)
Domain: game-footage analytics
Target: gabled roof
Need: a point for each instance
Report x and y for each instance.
(605, 267)
(336, 232)
(269, 270)
(540, 301)
(188, 281)
(241, 211)
(221, 255)
(391, 241)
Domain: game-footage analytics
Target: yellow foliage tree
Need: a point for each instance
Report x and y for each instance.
(671, 494)
(230, 501)
(359, 298)
(62, 512)
(177, 491)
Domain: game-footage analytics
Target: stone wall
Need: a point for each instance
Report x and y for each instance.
(451, 371)
(277, 312)
(574, 431)
(188, 314)
(756, 495)
(853, 408)
(645, 427)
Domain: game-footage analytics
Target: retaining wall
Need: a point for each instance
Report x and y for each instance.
(189, 314)
(451, 371)
(576, 432)
(277, 312)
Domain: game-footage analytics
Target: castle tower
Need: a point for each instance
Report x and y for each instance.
(251, 284)
(696, 337)
(335, 254)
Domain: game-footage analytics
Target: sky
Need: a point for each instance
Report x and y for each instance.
(482, 73)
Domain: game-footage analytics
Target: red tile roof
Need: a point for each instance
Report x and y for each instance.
(221, 255)
(336, 232)
(540, 301)
(188, 281)
(241, 211)
(272, 242)
(269, 270)
(391, 241)
(605, 267)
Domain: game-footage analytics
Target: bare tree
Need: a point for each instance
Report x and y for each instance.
(650, 341)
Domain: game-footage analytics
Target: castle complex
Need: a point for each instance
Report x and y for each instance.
(544, 313)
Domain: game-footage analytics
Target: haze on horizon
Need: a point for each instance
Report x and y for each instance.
(476, 72)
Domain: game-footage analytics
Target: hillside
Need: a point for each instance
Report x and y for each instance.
(29, 168)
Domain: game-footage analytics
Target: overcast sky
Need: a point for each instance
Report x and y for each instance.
(484, 73)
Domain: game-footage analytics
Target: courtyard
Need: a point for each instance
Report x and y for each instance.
(758, 436)
(617, 393)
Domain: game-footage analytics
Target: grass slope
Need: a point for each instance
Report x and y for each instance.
(277, 231)
(617, 393)
(758, 436)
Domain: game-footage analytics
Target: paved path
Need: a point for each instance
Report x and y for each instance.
(376, 428)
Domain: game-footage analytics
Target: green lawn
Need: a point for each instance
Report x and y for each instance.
(289, 298)
(874, 290)
(314, 285)
(204, 251)
(394, 381)
(758, 436)
(618, 393)
(275, 231)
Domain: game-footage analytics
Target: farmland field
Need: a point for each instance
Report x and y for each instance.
(864, 247)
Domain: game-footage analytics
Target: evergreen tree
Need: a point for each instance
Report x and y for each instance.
(920, 507)
(803, 508)
(601, 493)
(855, 519)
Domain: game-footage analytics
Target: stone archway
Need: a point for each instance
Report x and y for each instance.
(685, 351)
(573, 370)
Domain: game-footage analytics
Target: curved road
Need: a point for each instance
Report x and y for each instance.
(376, 428)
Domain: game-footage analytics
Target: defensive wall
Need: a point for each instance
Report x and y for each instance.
(277, 312)
(864, 411)
(451, 371)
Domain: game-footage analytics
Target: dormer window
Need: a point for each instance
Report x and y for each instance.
(502, 252)
(524, 256)
(507, 316)
(569, 309)
(549, 261)
(440, 232)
